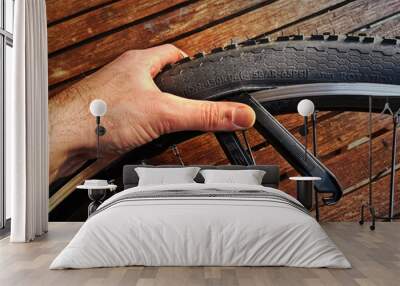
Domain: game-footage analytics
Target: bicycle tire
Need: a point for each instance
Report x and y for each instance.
(288, 60)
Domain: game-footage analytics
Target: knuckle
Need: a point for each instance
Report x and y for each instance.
(211, 116)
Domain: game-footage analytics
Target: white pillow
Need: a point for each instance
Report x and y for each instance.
(248, 177)
(165, 176)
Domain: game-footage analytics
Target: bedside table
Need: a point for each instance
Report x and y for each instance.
(96, 195)
(305, 190)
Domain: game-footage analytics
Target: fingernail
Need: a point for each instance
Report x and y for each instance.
(243, 117)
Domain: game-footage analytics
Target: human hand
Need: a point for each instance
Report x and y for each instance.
(138, 112)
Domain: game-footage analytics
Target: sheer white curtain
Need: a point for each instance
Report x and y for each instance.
(26, 124)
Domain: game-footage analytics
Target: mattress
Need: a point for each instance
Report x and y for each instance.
(201, 225)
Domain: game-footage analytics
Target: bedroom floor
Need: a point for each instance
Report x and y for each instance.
(375, 257)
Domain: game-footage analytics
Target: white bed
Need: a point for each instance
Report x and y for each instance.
(185, 230)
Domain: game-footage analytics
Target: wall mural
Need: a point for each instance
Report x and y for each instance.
(88, 41)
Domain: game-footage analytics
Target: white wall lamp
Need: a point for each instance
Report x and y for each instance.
(98, 108)
(305, 108)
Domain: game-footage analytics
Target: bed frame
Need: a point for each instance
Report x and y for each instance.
(270, 179)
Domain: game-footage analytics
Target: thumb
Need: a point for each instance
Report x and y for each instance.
(208, 115)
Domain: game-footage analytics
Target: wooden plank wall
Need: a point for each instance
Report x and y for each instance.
(85, 35)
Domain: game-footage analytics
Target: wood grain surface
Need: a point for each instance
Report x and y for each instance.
(57, 10)
(111, 17)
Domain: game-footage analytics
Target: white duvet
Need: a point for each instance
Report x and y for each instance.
(200, 231)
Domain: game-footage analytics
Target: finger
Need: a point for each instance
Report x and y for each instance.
(186, 114)
(162, 55)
